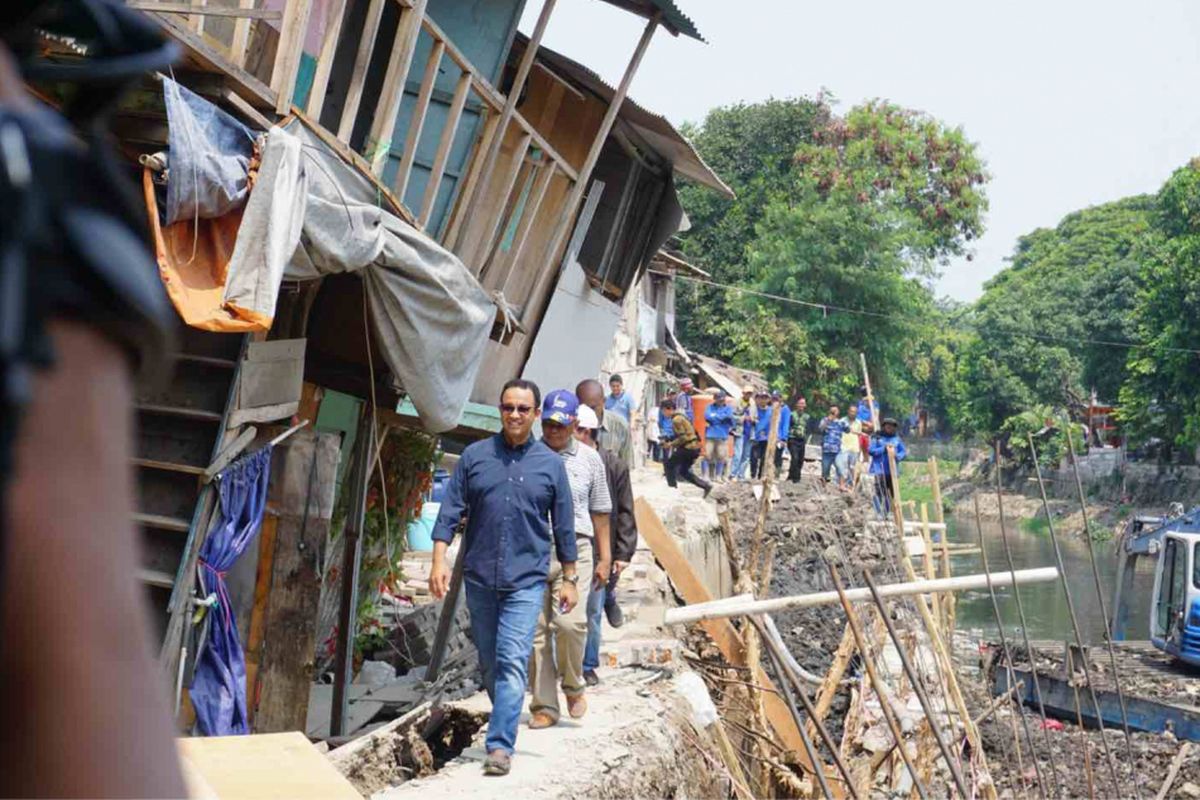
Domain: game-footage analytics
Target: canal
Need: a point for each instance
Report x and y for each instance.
(1044, 603)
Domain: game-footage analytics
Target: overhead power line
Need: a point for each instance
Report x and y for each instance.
(827, 308)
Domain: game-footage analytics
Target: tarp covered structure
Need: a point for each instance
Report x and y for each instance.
(310, 214)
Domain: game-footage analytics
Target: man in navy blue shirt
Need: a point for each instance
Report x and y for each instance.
(507, 486)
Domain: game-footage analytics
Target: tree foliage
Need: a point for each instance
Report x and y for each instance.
(1161, 395)
(855, 212)
(1039, 323)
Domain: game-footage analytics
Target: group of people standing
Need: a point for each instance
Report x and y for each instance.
(738, 431)
(535, 620)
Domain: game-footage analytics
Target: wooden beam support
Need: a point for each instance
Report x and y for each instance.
(510, 107)
(204, 10)
(532, 208)
(241, 36)
(333, 32)
(453, 117)
(417, 125)
(379, 142)
(358, 74)
(287, 58)
(666, 550)
(364, 448)
(549, 258)
(458, 219)
(496, 216)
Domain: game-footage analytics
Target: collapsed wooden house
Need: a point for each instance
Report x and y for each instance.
(548, 189)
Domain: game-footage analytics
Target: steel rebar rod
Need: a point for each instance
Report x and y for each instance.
(1037, 687)
(1062, 576)
(1112, 653)
(777, 649)
(868, 658)
(818, 766)
(918, 686)
(1012, 678)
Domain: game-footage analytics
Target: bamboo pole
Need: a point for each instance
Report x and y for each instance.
(1008, 662)
(918, 686)
(942, 654)
(868, 655)
(1112, 654)
(961, 583)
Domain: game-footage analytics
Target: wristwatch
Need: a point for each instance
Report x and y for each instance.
(573, 580)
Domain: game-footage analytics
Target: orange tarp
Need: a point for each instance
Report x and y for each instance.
(193, 268)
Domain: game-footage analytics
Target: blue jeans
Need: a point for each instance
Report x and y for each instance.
(596, 603)
(502, 625)
(741, 458)
(827, 461)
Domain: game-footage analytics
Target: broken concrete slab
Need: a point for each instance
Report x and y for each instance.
(362, 709)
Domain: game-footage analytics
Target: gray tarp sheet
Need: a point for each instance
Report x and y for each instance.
(431, 316)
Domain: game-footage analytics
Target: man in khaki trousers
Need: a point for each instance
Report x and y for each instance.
(559, 642)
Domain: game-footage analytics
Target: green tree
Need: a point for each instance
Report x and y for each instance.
(876, 201)
(752, 148)
(1041, 324)
(1161, 394)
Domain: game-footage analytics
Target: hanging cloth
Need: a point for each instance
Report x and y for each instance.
(218, 689)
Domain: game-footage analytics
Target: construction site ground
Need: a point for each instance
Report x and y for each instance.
(642, 737)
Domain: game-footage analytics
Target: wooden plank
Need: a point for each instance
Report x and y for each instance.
(532, 208)
(203, 10)
(154, 577)
(241, 36)
(384, 123)
(230, 452)
(263, 413)
(289, 632)
(510, 106)
(417, 124)
(281, 766)
(453, 117)
(458, 219)
(333, 32)
(179, 411)
(358, 75)
(213, 59)
(287, 58)
(258, 612)
(161, 522)
(666, 550)
(549, 257)
(497, 215)
(167, 466)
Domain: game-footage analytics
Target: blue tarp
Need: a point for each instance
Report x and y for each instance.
(209, 157)
(218, 689)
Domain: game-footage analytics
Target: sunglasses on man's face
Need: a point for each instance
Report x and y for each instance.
(510, 408)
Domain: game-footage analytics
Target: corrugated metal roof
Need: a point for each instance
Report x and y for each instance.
(655, 129)
(672, 18)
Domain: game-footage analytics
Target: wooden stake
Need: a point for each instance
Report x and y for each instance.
(877, 684)
(833, 678)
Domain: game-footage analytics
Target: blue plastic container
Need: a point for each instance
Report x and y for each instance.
(420, 531)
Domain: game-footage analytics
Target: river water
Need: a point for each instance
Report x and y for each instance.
(1044, 604)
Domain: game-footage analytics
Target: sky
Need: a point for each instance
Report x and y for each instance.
(1070, 103)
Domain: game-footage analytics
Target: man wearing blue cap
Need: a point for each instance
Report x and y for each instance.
(558, 645)
(507, 486)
